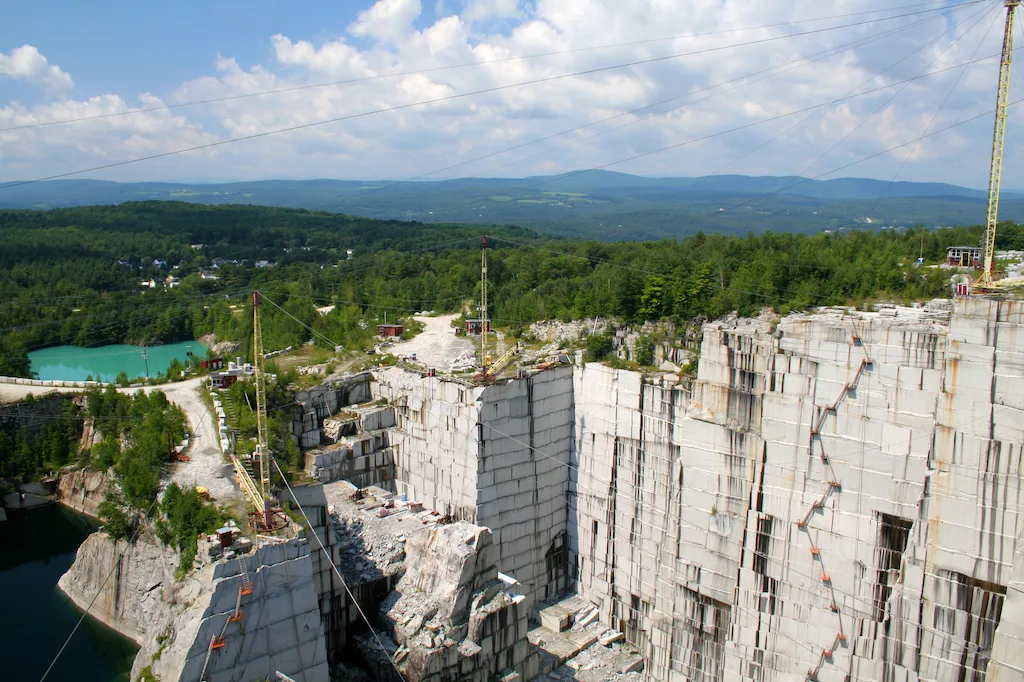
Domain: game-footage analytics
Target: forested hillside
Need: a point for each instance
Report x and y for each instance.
(72, 276)
(595, 204)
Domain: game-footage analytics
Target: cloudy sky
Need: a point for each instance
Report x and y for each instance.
(671, 87)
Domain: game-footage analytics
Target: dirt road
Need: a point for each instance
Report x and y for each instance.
(437, 345)
(207, 467)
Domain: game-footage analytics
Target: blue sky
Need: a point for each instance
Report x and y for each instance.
(63, 59)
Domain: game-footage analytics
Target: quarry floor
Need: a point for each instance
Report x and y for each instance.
(437, 345)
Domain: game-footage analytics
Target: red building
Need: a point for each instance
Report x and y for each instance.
(389, 330)
(216, 363)
(475, 326)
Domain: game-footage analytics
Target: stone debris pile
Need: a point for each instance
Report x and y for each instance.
(575, 646)
(463, 363)
(561, 332)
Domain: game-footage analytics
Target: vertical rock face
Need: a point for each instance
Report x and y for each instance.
(131, 583)
(837, 495)
(451, 614)
(277, 627)
(837, 500)
(83, 490)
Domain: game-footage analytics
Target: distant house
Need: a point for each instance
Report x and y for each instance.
(389, 330)
(148, 283)
(157, 263)
(171, 281)
(476, 326)
(348, 254)
(121, 261)
(197, 246)
(208, 275)
(263, 264)
(963, 256)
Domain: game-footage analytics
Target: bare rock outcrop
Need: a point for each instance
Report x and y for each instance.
(83, 490)
(129, 580)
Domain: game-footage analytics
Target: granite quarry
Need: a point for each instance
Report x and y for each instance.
(834, 496)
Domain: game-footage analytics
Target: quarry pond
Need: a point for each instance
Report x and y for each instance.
(71, 363)
(36, 548)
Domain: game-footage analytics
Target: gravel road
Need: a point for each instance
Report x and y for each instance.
(437, 345)
(207, 467)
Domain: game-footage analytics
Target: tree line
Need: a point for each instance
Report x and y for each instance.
(72, 276)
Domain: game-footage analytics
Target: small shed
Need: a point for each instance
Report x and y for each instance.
(963, 256)
(475, 327)
(222, 379)
(390, 330)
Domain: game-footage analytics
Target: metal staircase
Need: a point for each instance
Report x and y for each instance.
(833, 487)
(217, 641)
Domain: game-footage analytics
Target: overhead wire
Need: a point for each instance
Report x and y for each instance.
(446, 98)
(99, 590)
(934, 117)
(864, 120)
(759, 122)
(794, 63)
(980, 15)
(942, 7)
(334, 566)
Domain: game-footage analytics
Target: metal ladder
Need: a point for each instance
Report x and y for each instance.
(834, 485)
(217, 641)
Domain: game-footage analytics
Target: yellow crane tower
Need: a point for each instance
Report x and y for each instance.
(259, 495)
(262, 448)
(998, 142)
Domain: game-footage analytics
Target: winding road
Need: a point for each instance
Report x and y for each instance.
(207, 466)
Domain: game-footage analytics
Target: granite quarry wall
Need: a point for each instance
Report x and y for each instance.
(835, 496)
(278, 625)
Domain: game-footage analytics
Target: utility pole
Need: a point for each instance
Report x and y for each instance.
(998, 143)
(145, 356)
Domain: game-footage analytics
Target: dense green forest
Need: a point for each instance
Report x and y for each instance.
(72, 276)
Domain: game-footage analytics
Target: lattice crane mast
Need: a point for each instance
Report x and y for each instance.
(998, 143)
(258, 494)
(262, 448)
(483, 304)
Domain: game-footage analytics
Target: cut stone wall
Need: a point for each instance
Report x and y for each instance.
(435, 441)
(280, 627)
(27, 417)
(836, 496)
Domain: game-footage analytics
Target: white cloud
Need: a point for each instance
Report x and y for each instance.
(385, 41)
(387, 20)
(27, 64)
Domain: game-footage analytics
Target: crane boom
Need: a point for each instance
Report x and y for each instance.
(998, 143)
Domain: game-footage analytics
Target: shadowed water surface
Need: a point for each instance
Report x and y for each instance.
(36, 548)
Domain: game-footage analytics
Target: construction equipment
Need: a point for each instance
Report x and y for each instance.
(483, 304)
(259, 495)
(986, 281)
(488, 373)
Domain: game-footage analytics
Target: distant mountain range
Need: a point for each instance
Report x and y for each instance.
(592, 204)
